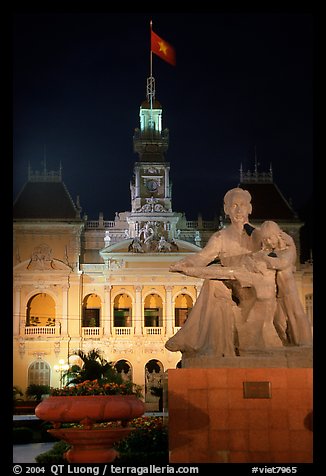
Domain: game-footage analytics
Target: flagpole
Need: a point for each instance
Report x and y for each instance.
(151, 53)
(150, 82)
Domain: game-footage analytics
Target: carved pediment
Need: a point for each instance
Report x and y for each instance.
(47, 265)
(42, 260)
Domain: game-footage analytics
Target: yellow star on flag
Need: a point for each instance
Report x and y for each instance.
(163, 47)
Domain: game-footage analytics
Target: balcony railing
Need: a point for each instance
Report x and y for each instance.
(99, 224)
(153, 331)
(42, 330)
(123, 331)
(89, 332)
(92, 332)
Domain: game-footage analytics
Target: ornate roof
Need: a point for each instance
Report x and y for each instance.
(45, 196)
(268, 202)
(146, 105)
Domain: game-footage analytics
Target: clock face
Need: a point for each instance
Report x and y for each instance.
(152, 185)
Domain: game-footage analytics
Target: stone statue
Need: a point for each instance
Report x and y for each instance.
(163, 245)
(210, 328)
(107, 238)
(249, 299)
(135, 246)
(146, 233)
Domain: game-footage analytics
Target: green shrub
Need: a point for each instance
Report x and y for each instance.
(22, 435)
(54, 455)
(36, 391)
(17, 392)
(148, 442)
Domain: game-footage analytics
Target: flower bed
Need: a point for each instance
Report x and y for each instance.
(97, 387)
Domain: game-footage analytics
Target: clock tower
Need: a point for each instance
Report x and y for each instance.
(151, 183)
(150, 186)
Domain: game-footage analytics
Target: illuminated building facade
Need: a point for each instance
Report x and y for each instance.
(86, 284)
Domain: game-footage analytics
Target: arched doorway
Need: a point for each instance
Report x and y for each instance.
(40, 311)
(153, 385)
(124, 368)
(182, 307)
(91, 314)
(122, 311)
(153, 311)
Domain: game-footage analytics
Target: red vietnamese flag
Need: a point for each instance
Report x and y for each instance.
(162, 49)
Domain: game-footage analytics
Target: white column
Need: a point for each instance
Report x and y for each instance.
(166, 192)
(64, 320)
(107, 318)
(169, 311)
(16, 311)
(137, 180)
(138, 315)
(198, 289)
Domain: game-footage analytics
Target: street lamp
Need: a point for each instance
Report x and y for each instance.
(62, 367)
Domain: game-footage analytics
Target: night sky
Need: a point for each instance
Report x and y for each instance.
(243, 80)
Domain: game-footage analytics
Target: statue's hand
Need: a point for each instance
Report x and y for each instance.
(260, 267)
(255, 263)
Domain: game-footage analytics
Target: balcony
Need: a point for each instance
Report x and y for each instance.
(42, 331)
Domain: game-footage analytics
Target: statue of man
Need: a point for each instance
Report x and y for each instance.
(210, 328)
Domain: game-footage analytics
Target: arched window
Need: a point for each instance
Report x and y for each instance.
(153, 311)
(153, 385)
(182, 307)
(124, 368)
(91, 311)
(122, 312)
(39, 373)
(40, 311)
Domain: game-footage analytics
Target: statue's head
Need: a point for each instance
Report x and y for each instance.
(237, 196)
(269, 228)
(270, 234)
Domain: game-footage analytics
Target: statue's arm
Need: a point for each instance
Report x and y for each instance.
(218, 272)
(215, 271)
(278, 260)
(203, 257)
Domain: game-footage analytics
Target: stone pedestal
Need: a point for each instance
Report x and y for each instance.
(290, 357)
(241, 414)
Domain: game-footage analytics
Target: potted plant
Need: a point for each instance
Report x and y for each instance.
(37, 391)
(93, 366)
(101, 409)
